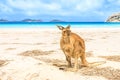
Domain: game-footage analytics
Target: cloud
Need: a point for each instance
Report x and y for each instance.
(31, 7)
(55, 7)
(5, 9)
(64, 8)
(115, 2)
(30, 4)
(89, 5)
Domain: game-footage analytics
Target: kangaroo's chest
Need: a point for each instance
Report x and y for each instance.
(69, 50)
(66, 47)
(66, 44)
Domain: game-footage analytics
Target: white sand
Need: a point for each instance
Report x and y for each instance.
(101, 45)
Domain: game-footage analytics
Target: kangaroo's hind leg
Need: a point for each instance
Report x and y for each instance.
(75, 68)
(83, 60)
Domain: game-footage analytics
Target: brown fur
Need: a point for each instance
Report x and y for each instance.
(73, 46)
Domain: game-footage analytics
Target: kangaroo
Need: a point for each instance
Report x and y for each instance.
(73, 46)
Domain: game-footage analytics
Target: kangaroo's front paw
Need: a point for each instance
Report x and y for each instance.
(71, 69)
(84, 65)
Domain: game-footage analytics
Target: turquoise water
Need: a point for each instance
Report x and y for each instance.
(53, 24)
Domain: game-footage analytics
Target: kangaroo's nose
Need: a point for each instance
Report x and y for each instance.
(68, 33)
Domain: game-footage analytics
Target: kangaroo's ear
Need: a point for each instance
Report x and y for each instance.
(68, 27)
(60, 27)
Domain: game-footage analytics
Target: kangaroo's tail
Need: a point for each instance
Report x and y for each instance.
(94, 64)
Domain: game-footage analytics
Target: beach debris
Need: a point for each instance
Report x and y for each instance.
(3, 62)
(35, 53)
(107, 72)
(112, 58)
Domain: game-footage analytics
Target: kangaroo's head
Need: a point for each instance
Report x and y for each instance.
(65, 31)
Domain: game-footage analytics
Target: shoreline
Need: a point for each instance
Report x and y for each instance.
(56, 29)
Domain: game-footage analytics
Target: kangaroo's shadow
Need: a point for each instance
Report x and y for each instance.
(61, 64)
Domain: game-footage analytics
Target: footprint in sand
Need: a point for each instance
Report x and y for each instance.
(3, 62)
(31, 76)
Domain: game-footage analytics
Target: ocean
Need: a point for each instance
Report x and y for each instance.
(53, 24)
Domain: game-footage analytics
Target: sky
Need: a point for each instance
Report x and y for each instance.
(65, 10)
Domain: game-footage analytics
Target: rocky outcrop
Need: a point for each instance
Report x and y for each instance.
(114, 18)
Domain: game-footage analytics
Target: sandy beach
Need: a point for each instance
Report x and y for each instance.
(35, 54)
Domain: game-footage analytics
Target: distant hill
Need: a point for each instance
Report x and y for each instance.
(31, 20)
(3, 20)
(55, 20)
